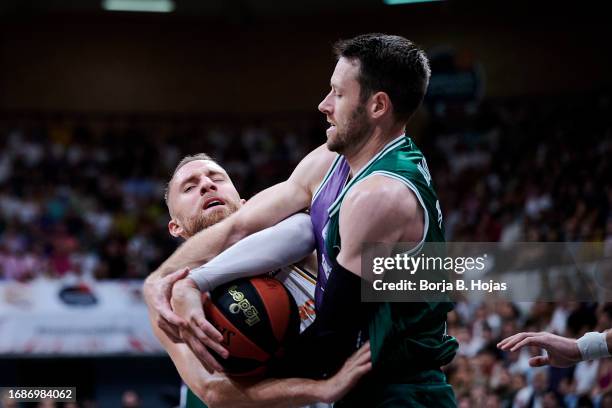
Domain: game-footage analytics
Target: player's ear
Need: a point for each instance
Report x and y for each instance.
(175, 228)
(380, 104)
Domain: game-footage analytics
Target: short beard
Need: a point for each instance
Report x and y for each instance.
(357, 129)
(202, 222)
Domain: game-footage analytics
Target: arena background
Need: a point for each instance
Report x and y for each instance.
(97, 107)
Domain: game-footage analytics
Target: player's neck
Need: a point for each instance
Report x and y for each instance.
(373, 144)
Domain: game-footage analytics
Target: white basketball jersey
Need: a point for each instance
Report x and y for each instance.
(301, 284)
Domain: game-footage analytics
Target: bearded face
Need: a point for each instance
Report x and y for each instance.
(352, 133)
(208, 218)
(345, 109)
(200, 194)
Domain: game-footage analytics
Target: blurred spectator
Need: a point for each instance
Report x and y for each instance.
(606, 400)
(130, 399)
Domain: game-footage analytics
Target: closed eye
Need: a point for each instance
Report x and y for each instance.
(187, 189)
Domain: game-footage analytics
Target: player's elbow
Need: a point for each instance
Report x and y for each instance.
(204, 391)
(209, 393)
(212, 398)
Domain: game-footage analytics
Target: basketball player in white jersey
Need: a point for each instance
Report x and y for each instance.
(199, 194)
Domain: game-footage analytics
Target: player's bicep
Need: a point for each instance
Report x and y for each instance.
(378, 209)
(269, 207)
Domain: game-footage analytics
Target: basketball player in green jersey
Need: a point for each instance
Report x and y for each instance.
(387, 196)
(199, 194)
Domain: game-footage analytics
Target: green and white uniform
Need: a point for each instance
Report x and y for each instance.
(408, 340)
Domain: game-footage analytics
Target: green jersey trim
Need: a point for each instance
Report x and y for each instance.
(398, 141)
(326, 177)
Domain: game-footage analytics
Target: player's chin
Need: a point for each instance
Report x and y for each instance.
(332, 136)
(334, 145)
(216, 209)
(216, 214)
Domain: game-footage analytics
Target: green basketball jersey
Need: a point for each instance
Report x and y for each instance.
(408, 340)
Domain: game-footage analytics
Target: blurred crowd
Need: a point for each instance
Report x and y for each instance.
(84, 197)
(526, 171)
(482, 375)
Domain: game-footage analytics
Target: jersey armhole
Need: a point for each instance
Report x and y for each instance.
(326, 178)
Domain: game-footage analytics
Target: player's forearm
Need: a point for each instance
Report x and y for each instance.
(203, 246)
(268, 250)
(269, 393)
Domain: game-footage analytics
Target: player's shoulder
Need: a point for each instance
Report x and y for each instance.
(321, 156)
(314, 166)
(378, 194)
(377, 187)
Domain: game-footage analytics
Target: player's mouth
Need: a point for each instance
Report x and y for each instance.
(212, 203)
(331, 129)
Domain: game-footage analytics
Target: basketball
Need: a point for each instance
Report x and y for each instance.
(256, 317)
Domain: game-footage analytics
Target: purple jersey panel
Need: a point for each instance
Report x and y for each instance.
(320, 217)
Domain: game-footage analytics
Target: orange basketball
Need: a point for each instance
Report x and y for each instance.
(256, 317)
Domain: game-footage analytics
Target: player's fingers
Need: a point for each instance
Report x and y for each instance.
(364, 369)
(510, 340)
(208, 328)
(170, 331)
(365, 358)
(529, 341)
(362, 350)
(207, 341)
(176, 276)
(207, 360)
(361, 358)
(539, 361)
(166, 313)
(513, 340)
(357, 372)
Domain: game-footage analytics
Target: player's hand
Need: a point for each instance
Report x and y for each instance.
(157, 292)
(355, 367)
(187, 302)
(561, 351)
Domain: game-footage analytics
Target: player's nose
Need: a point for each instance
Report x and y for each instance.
(325, 106)
(207, 185)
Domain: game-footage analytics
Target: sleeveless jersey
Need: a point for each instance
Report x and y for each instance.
(408, 340)
(324, 196)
